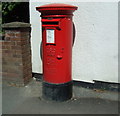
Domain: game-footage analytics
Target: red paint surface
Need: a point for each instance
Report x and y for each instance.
(57, 57)
(56, 7)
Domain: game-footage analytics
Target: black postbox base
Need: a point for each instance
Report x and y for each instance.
(57, 92)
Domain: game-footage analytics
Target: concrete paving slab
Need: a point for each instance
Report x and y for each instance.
(28, 100)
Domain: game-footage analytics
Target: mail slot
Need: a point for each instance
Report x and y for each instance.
(57, 41)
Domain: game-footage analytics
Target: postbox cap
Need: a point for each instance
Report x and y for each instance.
(56, 8)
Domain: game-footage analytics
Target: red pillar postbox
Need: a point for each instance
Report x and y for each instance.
(57, 40)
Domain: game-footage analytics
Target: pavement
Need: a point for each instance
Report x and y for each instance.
(28, 100)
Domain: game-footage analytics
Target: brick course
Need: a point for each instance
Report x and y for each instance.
(16, 53)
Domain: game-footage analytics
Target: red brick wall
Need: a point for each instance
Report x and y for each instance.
(16, 56)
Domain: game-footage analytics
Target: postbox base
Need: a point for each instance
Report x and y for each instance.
(57, 92)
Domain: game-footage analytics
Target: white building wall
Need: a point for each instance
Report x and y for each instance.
(95, 52)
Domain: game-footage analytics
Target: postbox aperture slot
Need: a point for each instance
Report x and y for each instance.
(50, 36)
(50, 23)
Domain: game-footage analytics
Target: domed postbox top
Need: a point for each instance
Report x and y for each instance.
(56, 10)
(56, 6)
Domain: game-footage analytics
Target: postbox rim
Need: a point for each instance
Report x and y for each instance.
(56, 6)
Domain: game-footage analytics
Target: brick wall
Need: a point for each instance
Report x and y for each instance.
(16, 53)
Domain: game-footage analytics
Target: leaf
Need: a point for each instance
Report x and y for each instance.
(10, 7)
